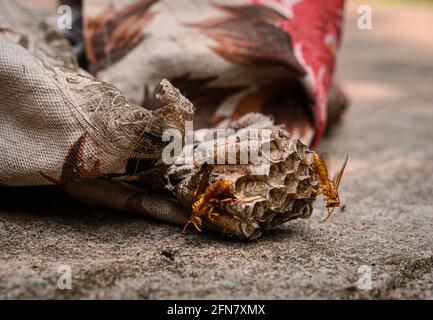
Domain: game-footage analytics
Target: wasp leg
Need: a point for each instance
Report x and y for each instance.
(314, 190)
(195, 221)
(211, 214)
(186, 226)
(308, 165)
(232, 199)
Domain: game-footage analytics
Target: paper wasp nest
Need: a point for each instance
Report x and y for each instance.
(272, 198)
(256, 200)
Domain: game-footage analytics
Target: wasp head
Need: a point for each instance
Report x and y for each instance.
(333, 203)
(333, 199)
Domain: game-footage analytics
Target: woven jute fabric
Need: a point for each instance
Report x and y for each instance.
(58, 125)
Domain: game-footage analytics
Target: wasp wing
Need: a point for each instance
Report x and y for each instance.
(337, 178)
(201, 187)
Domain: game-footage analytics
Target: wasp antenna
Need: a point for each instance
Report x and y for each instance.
(328, 215)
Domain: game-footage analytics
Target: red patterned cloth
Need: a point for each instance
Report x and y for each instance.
(228, 57)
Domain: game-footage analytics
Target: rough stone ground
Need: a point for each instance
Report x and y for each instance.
(387, 224)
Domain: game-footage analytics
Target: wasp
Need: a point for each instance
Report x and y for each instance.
(205, 199)
(327, 187)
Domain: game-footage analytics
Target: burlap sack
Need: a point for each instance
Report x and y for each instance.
(58, 125)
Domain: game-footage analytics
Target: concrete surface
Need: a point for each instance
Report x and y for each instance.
(387, 224)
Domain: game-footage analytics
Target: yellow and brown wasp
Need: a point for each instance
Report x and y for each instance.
(205, 198)
(327, 187)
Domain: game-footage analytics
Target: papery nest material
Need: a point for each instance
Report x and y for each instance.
(273, 197)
